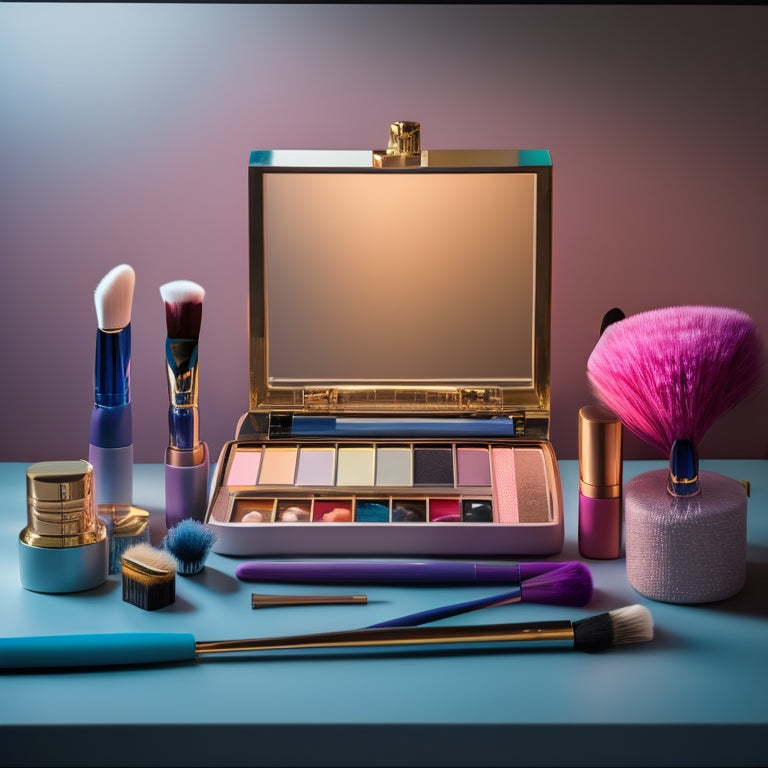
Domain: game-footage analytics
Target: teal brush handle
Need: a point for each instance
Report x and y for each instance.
(95, 650)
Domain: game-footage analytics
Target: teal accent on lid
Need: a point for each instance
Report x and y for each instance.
(533, 157)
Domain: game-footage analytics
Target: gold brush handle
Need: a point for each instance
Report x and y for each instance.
(550, 634)
(267, 601)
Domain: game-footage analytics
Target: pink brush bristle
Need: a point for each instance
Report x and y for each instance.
(570, 584)
(669, 374)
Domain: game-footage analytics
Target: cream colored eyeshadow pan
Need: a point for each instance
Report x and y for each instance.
(355, 466)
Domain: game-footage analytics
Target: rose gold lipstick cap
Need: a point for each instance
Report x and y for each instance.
(600, 453)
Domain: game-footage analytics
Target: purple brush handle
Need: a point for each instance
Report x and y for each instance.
(186, 491)
(390, 572)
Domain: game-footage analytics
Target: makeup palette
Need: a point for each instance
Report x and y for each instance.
(399, 359)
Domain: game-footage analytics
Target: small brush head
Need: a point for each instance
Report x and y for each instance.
(670, 373)
(113, 298)
(632, 624)
(183, 308)
(571, 584)
(190, 542)
(149, 577)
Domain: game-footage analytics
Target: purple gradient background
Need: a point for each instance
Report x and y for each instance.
(125, 132)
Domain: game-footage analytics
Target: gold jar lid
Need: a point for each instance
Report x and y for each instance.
(60, 505)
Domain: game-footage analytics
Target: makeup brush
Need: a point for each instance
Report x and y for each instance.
(190, 542)
(111, 434)
(569, 585)
(668, 375)
(187, 460)
(631, 624)
(392, 571)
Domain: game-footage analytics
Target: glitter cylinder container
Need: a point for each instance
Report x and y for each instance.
(686, 548)
(64, 546)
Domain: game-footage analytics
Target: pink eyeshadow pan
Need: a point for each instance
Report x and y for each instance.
(244, 467)
(473, 467)
(505, 485)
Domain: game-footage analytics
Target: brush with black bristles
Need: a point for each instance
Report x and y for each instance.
(669, 374)
(631, 624)
(187, 460)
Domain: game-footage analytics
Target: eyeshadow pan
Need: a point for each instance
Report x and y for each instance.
(432, 466)
(315, 466)
(473, 466)
(409, 511)
(244, 467)
(355, 466)
(394, 466)
(370, 511)
(332, 511)
(246, 510)
(476, 511)
(444, 511)
(533, 493)
(505, 484)
(278, 466)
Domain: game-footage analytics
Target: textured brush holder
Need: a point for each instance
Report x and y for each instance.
(685, 549)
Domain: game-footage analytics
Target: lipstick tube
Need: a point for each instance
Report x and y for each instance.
(600, 484)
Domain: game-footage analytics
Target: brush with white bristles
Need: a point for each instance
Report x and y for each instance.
(669, 374)
(111, 433)
(632, 624)
(186, 458)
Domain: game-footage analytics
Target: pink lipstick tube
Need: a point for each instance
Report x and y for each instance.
(600, 466)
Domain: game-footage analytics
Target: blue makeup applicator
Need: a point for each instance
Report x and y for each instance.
(570, 584)
(190, 542)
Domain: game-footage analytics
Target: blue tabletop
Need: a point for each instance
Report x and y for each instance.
(696, 695)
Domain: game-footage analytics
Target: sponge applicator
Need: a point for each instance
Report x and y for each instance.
(669, 374)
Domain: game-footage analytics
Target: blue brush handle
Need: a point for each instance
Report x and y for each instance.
(443, 612)
(95, 650)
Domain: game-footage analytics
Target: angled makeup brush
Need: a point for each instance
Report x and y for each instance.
(187, 460)
(632, 624)
(110, 448)
(569, 585)
(668, 375)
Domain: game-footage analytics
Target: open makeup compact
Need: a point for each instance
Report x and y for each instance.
(399, 357)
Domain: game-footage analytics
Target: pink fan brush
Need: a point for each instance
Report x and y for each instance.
(668, 375)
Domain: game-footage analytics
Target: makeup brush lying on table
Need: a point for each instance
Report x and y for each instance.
(631, 624)
(570, 584)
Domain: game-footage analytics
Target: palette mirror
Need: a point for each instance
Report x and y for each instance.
(418, 289)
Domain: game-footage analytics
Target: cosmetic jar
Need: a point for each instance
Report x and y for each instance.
(64, 547)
